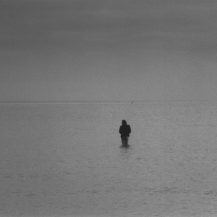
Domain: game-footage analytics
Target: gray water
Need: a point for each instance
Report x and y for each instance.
(66, 160)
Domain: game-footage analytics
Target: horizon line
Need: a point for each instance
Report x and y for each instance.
(100, 101)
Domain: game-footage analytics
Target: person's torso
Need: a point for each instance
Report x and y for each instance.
(125, 130)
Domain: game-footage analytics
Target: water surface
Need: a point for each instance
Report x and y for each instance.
(63, 159)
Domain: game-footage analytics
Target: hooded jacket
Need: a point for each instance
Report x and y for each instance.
(125, 130)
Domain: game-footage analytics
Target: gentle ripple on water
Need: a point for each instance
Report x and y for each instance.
(65, 159)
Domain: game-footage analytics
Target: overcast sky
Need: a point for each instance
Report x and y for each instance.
(108, 49)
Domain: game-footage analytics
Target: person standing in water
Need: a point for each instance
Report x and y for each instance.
(125, 131)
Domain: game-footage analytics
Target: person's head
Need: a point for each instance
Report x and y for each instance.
(124, 122)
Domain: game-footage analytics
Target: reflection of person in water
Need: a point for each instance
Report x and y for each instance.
(125, 131)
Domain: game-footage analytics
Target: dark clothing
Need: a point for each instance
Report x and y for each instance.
(125, 130)
(124, 141)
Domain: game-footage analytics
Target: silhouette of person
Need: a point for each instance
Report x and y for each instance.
(125, 131)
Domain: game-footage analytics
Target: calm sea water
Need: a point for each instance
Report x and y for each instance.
(66, 160)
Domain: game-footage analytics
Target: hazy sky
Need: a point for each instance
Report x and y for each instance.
(108, 49)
